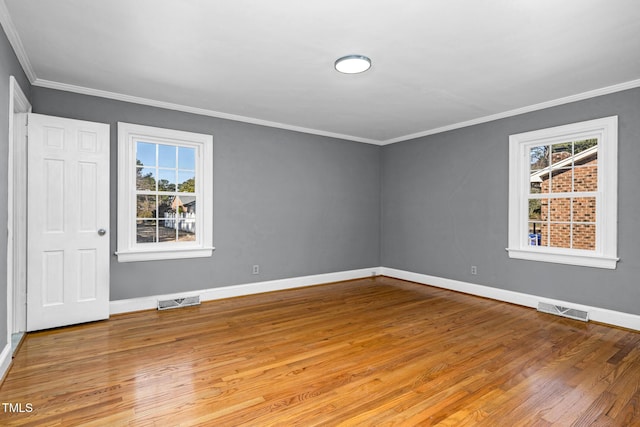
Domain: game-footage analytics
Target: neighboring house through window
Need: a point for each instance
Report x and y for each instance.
(563, 194)
(164, 193)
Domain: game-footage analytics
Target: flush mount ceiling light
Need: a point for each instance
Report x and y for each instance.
(353, 64)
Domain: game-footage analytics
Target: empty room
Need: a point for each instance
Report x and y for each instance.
(227, 213)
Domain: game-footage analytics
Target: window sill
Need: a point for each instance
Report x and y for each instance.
(584, 260)
(159, 255)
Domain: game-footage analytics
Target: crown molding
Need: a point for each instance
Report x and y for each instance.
(201, 111)
(194, 110)
(16, 43)
(535, 107)
(211, 113)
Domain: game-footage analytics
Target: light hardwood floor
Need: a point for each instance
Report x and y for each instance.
(365, 352)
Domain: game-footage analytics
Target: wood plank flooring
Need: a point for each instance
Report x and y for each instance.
(365, 352)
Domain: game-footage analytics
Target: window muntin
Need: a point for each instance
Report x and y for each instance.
(563, 194)
(164, 193)
(166, 197)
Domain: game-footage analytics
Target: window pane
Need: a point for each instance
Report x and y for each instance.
(539, 183)
(580, 146)
(560, 235)
(561, 180)
(187, 229)
(168, 220)
(585, 178)
(186, 182)
(185, 204)
(560, 153)
(145, 179)
(146, 231)
(166, 180)
(538, 157)
(535, 209)
(544, 232)
(187, 158)
(584, 209)
(584, 236)
(167, 230)
(165, 206)
(167, 156)
(560, 209)
(544, 209)
(536, 187)
(145, 154)
(145, 206)
(535, 233)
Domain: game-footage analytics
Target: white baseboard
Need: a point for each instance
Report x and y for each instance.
(5, 360)
(597, 314)
(151, 302)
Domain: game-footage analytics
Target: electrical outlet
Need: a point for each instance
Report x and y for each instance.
(256, 269)
(474, 269)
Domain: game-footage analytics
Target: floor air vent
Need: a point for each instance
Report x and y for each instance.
(178, 302)
(558, 310)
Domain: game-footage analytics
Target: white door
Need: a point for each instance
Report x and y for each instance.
(68, 219)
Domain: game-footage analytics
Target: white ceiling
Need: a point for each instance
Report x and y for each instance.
(437, 64)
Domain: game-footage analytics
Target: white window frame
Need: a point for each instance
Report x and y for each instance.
(128, 249)
(605, 254)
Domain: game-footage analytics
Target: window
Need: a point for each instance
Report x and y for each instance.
(164, 194)
(563, 194)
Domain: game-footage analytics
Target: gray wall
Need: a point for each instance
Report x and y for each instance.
(444, 208)
(9, 66)
(293, 203)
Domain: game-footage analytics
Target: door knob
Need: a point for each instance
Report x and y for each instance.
(102, 232)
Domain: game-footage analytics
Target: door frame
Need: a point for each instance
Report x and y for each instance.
(17, 200)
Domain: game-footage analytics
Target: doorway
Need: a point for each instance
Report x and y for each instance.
(69, 283)
(19, 107)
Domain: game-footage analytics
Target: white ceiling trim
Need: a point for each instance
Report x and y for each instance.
(15, 42)
(195, 110)
(204, 112)
(535, 107)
